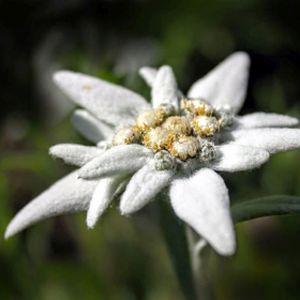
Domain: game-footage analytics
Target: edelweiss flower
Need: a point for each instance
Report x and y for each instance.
(176, 143)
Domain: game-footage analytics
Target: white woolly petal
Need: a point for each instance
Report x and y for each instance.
(143, 187)
(202, 201)
(109, 102)
(234, 158)
(90, 127)
(67, 195)
(102, 197)
(73, 154)
(271, 139)
(164, 89)
(261, 119)
(226, 84)
(124, 159)
(148, 74)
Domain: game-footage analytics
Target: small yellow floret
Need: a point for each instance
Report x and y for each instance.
(180, 125)
(184, 147)
(197, 107)
(124, 136)
(158, 138)
(205, 126)
(164, 111)
(147, 120)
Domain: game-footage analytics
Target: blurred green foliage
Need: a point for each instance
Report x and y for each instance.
(125, 258)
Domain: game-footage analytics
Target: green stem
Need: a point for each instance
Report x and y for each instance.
(177, 244)
(198, 264)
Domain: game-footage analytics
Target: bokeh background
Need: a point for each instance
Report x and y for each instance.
(126, 258)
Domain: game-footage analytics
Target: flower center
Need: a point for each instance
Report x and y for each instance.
(185, 134)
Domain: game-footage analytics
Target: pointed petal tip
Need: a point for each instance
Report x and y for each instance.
(226, 246)
(294, 121)
(166, 69)
(54, 150)
(241, 56)
(59, 151)
(91, 221)
(126, 209)
(228, 249)
(85, 173)
(92, 217)
(144, 70)
(58, 76)
(9, 232)
(148, 74)
(14, 227)
(64, 78)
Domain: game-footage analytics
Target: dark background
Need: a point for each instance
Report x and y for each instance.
(126, 258)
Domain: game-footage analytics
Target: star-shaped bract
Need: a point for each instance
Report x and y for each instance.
(198, 194)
